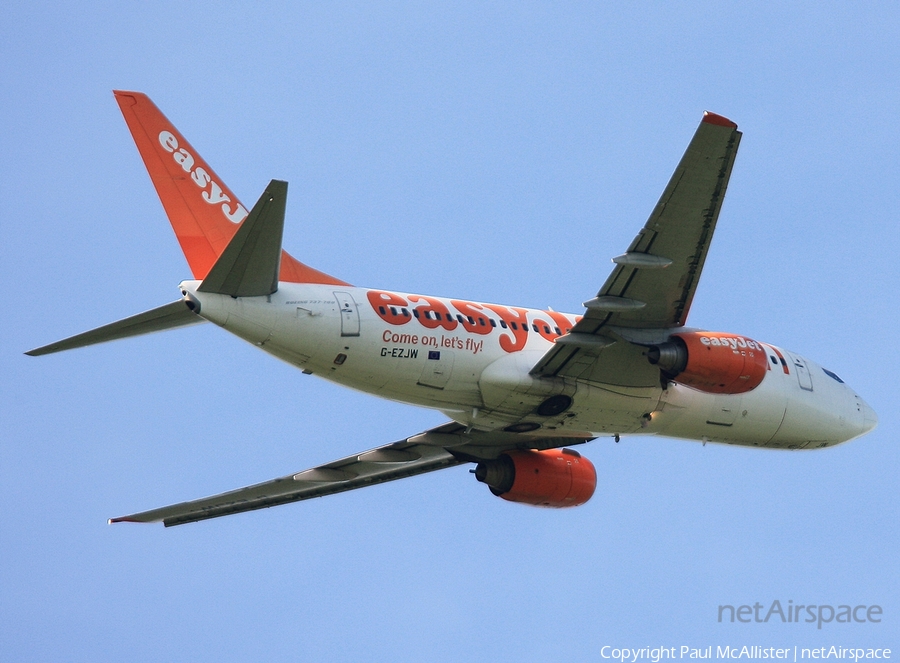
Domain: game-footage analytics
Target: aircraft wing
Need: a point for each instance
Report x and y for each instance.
(653, 283)
(435, 449)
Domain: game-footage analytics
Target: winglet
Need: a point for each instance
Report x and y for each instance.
(248, 267)
(712, 118)
(204, 213)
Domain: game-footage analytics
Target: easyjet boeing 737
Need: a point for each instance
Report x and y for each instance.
(519, 385)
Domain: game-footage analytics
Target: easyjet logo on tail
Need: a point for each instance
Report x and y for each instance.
(212, 193)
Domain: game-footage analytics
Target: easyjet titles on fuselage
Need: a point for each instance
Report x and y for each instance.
(433, 313)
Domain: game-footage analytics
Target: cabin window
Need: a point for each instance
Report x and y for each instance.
(503, 323)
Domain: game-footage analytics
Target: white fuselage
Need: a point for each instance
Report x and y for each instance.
(472, 361)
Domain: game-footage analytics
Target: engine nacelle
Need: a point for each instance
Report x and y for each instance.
(553, 478)
(713, 362)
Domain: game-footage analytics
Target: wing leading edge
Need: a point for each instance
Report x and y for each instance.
(653, 283)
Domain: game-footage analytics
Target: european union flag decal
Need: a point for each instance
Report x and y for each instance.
(434, 354)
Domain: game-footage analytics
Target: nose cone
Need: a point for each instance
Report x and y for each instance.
(870, 419)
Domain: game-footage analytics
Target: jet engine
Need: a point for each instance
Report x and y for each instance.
(713, 362)
(553, 478)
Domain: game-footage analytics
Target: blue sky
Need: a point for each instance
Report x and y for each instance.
(491, 151)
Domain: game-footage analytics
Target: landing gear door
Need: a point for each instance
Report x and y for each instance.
(349, 314)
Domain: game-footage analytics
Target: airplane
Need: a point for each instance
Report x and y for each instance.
(520, 386)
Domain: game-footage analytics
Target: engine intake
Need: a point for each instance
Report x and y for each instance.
(713, 362)
(553, 478)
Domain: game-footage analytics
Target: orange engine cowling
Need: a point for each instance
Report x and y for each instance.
(554, 478)
(713, 362)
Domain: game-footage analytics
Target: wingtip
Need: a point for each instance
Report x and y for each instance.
(720, 120)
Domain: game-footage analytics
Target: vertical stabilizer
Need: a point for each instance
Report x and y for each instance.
(203, 211)
(248, 267)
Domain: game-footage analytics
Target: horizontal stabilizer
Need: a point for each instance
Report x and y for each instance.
(176, 314)
(248, 267)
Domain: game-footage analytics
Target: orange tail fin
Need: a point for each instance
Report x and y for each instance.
(204, 213)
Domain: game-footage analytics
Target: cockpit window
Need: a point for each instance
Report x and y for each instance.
(833, 376)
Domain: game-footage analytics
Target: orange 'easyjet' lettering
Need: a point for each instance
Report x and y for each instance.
(388, 306)
(434, 314)
(472, 320)
(515, 337)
